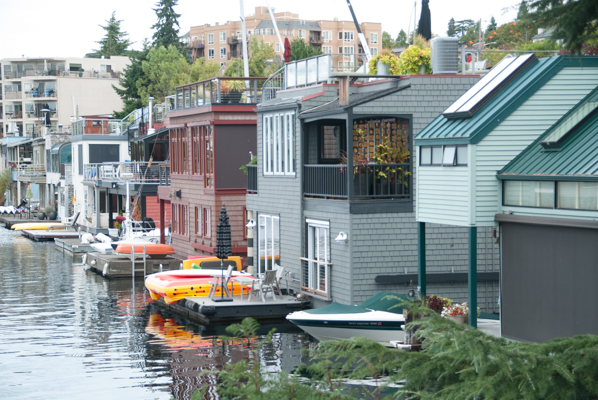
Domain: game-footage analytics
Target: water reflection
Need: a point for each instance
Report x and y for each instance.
(66, 332)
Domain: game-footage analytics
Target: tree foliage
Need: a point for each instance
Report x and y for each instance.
(492, 25)
(164, 69)
(451, 31)
(387, 42)
(128, 90)
(576, 22)
(166, 34)
(115, 42)
(401, 40)
(301, 49)
(260, 61)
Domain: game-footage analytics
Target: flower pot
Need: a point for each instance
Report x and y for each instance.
(382, 68)
(460, 319)
(41, 215)
(52, 216)
(422, 70)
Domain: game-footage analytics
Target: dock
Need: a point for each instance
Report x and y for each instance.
(121, 265)
(72, 246)
(12, 219)
(40, 235)
(206, 311)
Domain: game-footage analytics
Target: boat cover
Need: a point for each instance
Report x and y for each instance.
(379, 303)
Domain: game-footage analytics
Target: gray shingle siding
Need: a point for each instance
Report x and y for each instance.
(379, 244)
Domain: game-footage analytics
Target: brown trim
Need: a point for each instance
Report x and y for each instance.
(230, 191)
(233, 108)
(181, 237)
(235, 122)
(209, 249)
(180, 202)
(176, 126)
(546, 221)
(202, 123)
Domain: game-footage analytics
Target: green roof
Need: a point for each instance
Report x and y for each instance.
(472, 130)
(575, 158)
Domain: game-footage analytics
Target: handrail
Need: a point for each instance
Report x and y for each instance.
(273, 84)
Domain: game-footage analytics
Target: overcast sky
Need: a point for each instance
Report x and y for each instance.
(69, 28)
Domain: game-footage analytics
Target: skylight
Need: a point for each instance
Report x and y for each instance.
(578, 115)
(488, 86)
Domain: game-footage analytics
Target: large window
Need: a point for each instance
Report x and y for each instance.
(210, 38)
(529, 194)
(348, 36)
(373, 38)
(178, 148)
(269, 242)
(577, 195)
(222, 37)
(210, 54)
(326, 36)
(99, 153)
(203, 153)
(278, 133)
(180, 216)
(206, 220)
(316, 270)
(223, 52)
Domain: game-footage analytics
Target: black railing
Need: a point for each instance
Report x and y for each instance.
(369, 181)
(252, 179)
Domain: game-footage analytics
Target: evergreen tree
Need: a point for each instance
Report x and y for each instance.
(401, 39)
(523, 13)
(128, 90)
(164, 69)
(451, 28)
(300, 49)
(166, 34)
(574, 21)
(115, 42)
(492, 26)
(387, 42)
(464, 27)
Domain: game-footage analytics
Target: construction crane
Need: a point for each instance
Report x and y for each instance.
(360, 35)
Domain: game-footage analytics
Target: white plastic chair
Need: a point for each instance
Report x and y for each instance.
(221, 280)
(267, 284)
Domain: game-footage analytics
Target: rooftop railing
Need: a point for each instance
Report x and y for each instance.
(223, 90)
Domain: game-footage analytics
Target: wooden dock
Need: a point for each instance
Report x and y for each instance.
(206, 311)
(12, 219)
(72, 246)
(40, 235)
(121, 266)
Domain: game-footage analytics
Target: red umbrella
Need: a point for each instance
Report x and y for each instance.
(287, 50)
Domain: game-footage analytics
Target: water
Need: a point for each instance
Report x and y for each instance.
(69, 333)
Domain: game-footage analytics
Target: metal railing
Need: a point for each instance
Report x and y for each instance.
(31, 171)
(223, 90)
(251, 179)
(369, 181)
(42, 93)
(157, 173)
(315, 278)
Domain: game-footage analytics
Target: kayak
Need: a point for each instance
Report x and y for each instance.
(29, 226)
(151, 249)
(199, 262)
(176, 285)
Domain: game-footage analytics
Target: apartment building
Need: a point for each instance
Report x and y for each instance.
(224, 42)
(62, 86)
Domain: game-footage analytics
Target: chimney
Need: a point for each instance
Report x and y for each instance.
(344, 85)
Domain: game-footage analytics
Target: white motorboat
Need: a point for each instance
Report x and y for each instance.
(375, 319)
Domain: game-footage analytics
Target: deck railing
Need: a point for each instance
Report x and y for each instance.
(369, 181)
(31, 171)
(223, 90)
(139, 172)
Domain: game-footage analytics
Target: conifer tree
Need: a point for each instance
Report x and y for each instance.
(401, 40)
(167, 28)
(492, 25)
(128, 91)
(451, 28)
(115, 42)
(387, 42)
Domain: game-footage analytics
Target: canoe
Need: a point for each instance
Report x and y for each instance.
(151, 249)
(375, 319)
(212, 262)
(176, 285)
(29, 226)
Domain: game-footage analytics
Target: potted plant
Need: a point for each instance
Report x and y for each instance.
(41, 215)
(232, 91)
(252, 162)
(385, 63)
(416, 58)
(5, 180)
(50, 212)
(81, 70)
(457, 312)
(437, 303)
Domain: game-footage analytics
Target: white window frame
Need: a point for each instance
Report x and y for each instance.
(222, 37)
(210, 38)
(326, 36)
(348, 50)
(250, 32)
(210, 54)
(318, 269)
(277, 47)
(301, 33)
(373, 38)
(374, 51)
(268, 241)
(278, 140)
(326, 49)
(269, 31)
(349, 37)
(223, 52)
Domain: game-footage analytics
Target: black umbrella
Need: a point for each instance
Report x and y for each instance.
(223, 246)
(425, 23)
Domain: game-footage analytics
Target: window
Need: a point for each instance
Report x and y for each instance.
(528, 193)
(327, 49)
(180, 217)
(373, 38)
(178, 149)
(340, 51)
(577, 195)
(223, 52)
(210, 54)
(277, 47)
(194, 37)
(374, 51)
(206, 219)
(348, 50)
(326, 36)
(302, 33)
(210, 38)
(250, 32)
(269, 242)
(316, 267)
(222, 37)
(198, 221)
(284, 32)
(278, 132)
(348, 36)
(269, 31)
(203, 153)
(291, 32)
(443, 155)
(340, 35)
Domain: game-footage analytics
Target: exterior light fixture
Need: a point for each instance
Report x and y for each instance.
(342, 237)
(250, 224)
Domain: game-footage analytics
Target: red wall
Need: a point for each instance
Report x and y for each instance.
(152, 210)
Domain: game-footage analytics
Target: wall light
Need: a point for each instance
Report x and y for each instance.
(342, 237)
(250, 224)
(177, 194)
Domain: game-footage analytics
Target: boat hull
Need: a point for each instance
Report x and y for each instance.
(29, 226)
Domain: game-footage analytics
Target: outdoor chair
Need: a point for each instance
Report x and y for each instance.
(221, 280)
(265, 285)
(71, 222)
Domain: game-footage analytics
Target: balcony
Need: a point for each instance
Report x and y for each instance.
(371, 181)
(234, 54)
(315, 38)
(31, 173)
(251, 179)
(41, 94)
(158, 173)
(14, 95)
(217, 91)
(195, 44)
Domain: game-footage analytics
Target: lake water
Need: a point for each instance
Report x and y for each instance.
(69, 333)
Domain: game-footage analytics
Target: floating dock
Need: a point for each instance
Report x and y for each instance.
(121, 265)
(206, 311)
(40, 235)
(72, 246)
(12, 219)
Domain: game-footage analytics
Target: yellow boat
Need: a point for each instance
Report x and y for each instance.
(178, 284)
(29, 226)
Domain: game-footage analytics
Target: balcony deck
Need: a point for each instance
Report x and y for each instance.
(158, 173)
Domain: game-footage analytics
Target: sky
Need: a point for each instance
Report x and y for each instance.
(69, 28)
